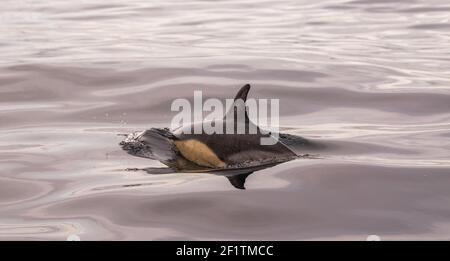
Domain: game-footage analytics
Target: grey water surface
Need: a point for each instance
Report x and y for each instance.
(368, 78)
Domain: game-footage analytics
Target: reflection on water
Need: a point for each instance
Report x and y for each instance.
(369, 79)
(236, 177)
(237, 180)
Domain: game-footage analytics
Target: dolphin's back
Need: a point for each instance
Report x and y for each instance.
(235, 149)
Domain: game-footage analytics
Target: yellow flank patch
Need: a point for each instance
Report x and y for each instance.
(199, 153)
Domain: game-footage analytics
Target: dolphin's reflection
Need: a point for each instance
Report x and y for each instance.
(236, 177)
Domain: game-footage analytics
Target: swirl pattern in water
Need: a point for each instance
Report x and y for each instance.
(369, 80)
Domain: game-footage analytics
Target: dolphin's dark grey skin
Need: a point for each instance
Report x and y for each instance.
(233, 155)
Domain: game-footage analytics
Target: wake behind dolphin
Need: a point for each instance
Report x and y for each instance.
(233, 155)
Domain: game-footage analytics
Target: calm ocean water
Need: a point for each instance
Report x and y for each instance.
(369, 78)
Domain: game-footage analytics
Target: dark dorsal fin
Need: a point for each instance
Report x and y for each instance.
(239, 103)
(242, 93)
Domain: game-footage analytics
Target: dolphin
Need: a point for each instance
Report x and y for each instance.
(235, 156)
